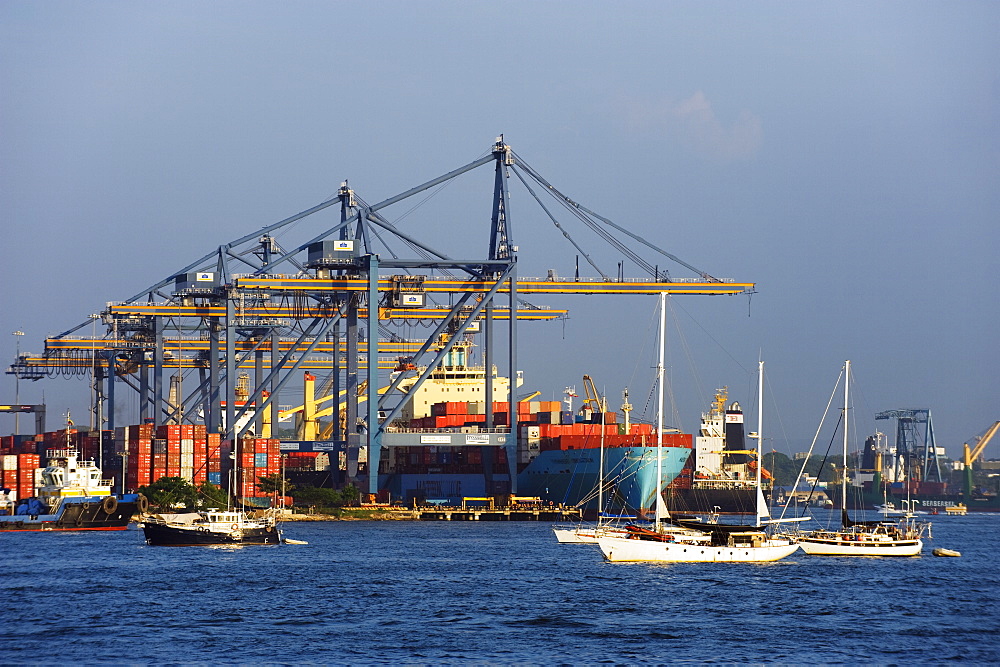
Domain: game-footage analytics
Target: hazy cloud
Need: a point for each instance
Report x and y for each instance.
(693, 124)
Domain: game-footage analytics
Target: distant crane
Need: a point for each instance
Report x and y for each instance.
(973, 453)
(39, 411)
(907, 443)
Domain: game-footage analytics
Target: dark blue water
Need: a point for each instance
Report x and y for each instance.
(486, 593)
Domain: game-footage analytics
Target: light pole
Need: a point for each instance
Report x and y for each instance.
(283, 457)
(17, 380)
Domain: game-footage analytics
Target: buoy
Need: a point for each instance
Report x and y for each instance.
(947, 552)
(289, 540)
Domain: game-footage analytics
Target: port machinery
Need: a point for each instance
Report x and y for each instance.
(327, 303)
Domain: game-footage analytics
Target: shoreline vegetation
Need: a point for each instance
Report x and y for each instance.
(355, 514)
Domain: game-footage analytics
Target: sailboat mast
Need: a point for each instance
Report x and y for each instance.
(600, 472)
(659, 402)
(760, 418)
(762, 511)
(843, 481)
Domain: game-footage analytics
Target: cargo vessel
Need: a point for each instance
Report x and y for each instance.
(458, 450)
(72, 496)
(719, 477)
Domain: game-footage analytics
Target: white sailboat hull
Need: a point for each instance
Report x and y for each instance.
(623, 550)
(576, 535)
(838, 546)
(585, 535)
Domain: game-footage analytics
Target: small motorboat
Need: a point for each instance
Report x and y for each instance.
(946, 552)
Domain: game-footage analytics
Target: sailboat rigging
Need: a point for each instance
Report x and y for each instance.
(864, 538)
(678, 541)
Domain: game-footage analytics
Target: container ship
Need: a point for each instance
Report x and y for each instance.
(719, 476)
(558, 452)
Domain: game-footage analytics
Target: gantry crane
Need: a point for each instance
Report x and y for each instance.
(910, 461)
(321, 303)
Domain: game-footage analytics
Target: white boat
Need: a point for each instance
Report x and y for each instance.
(606, 524)
(713, 543)
(864, 538)
(889, 509)
(586, 534)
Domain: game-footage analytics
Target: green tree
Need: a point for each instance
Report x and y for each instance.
(275, 483)
(322, 497)
(350, 496)
(171, 493)
(209, 495)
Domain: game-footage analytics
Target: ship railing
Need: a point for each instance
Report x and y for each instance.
(447, 429)
(62, 453)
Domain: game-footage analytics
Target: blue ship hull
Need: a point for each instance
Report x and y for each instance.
(562, 477)
(570, 477)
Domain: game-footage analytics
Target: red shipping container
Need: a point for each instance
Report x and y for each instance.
(168, 431)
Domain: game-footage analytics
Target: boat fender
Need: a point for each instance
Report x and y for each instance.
(143, 503)
(86, 506)
(109, 505)
(79, 520)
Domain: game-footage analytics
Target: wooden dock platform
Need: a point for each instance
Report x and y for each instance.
(543, 513)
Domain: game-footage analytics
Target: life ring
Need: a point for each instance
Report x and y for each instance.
(109, 504)
(143, 503)
(269, 529)
(235, 527)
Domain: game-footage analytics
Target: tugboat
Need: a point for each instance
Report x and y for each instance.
(211, 528)
(72, 497)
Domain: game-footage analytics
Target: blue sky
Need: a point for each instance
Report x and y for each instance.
(843, 156)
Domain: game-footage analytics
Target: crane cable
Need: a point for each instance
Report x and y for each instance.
(576, 205)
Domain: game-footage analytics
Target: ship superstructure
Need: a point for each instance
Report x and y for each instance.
(719, 476)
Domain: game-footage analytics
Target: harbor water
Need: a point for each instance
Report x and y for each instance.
(487, 593)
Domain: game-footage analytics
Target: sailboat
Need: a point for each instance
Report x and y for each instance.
(581, 534)
(680, 542)
(864, 538)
